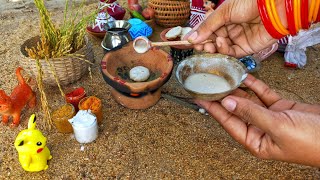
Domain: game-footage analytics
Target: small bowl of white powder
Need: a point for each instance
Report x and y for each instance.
(210, 76)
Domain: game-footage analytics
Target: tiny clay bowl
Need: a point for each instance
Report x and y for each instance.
(231, 69)
(115, 67)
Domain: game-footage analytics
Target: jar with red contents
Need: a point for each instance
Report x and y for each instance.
(74, 96)
(113, 8)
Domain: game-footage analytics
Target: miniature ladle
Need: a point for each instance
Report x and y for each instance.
(143, 44)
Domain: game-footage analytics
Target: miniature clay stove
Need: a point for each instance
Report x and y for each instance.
(115, 67)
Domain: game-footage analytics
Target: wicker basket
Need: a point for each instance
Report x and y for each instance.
(68, 68)
(124, 3)
(169, 13)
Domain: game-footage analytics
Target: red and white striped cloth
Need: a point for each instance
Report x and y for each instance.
(197, 12)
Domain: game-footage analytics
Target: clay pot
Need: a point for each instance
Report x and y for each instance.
(134, 5)
(115, 67)
(98, 27)
(114, 9)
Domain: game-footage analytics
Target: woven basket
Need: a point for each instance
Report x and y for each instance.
(124, 3)
(68, 69)
(169, 13)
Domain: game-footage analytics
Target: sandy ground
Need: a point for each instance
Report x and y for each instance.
(166, 141)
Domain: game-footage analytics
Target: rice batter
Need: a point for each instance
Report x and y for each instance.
(206, 83)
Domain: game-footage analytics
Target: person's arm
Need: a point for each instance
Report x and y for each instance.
(236, 29)
(268, 126)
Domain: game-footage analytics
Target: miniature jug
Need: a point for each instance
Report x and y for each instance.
(117, 35)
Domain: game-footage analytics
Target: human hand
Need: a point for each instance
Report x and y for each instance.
(268, 126)
(235, 28)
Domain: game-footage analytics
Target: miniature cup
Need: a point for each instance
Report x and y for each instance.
(97, 111)
(61, 116)
(74, 96)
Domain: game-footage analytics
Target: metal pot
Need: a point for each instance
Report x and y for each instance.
(117, 35)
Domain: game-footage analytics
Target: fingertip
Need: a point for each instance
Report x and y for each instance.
(222, 46)
(200, 102)
(193, 36)
(198, 47)
(209, 48)
(249, 79)
(219, 44)
(229, 103)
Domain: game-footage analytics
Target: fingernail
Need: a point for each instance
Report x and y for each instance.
(229, 104)
(193, 36)
(219, 44)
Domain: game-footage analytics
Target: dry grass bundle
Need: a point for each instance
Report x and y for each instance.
(57, 42)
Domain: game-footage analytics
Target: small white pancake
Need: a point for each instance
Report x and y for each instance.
(185, 31)
(174, 33)
(139, 73)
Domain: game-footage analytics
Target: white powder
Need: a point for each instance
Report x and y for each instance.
(205, 83)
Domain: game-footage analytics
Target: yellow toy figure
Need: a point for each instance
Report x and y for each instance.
(32, 149)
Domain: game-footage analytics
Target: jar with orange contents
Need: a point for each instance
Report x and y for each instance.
(94, 104)
(61, 116)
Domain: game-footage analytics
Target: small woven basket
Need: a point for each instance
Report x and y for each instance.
(68, 69)
(170, 13)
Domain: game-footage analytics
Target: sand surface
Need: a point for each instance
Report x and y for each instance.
(166, 141)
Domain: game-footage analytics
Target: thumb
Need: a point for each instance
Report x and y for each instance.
(250, 112)
(212, 23)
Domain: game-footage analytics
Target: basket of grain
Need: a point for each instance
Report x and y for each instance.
(67, 69)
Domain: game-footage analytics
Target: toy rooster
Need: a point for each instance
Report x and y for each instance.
(32, 149)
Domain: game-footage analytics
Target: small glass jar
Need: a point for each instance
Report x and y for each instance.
(74, 96)
(94, 104)
(61, 116)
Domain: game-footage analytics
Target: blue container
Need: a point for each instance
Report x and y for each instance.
(139, 28)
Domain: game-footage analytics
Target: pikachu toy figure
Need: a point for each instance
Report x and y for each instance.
(32, 149)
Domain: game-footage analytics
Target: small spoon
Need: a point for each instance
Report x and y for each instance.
(142, 44)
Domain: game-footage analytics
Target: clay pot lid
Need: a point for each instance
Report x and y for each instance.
(163, 38)
(157, 61)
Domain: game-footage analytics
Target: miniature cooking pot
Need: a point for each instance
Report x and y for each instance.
(116, 36)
